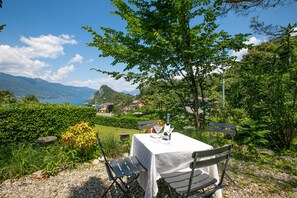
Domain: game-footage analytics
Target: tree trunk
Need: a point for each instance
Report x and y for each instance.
(196, 111)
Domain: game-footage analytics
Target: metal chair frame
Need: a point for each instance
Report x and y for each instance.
(117, 169)
(195, 183)
(227, 129)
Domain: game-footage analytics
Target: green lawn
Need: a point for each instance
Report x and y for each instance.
(114, 131)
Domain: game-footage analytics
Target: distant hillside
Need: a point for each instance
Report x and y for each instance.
(134, 92)
(106, 94)
(22, 86)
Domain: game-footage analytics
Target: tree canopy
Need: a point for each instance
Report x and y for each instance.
(166, 40)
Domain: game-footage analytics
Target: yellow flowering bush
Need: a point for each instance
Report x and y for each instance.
(79, 136)
(161, 122)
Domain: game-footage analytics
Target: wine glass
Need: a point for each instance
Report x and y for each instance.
(158, 128)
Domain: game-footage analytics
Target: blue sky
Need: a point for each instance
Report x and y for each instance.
(44, 38)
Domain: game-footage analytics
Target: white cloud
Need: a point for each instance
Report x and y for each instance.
(76, 59)
(59, 75)
(253, 40)
(117, 85)
(15, 62)
(23, 60)
(46, 46)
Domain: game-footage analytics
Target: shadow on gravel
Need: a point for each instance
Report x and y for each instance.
(94, 187)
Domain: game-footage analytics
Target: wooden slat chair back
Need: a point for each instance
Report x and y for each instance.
(196, 183)
(143, 125)
(117, 169)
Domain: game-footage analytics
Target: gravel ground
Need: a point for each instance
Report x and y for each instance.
(87, 180)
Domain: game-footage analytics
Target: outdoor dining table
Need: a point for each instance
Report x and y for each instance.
(163, 156)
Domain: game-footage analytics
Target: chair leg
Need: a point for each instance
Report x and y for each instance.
(232, 181)
(105, 192)
(125, 191)
(169, 190)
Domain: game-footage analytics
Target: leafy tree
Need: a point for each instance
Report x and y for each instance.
(268, 86)
(165, 40)
(6, 97)
(30, 98)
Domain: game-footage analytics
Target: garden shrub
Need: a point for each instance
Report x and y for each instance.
(27, 122)
(81, 137)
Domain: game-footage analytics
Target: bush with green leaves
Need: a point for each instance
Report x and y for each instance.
(29, 121)
(253, 134)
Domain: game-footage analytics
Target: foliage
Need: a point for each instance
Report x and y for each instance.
(163, 41)
(80, 137)
(111, 146)
(267, 87)
(27, 122)
(29, 98)
(6, 97)
(253, 135)
(119, 121)
(110, 138)
(21, 159)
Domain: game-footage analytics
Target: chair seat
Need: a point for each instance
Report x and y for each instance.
(180, 181)
(128, 166)
(196, 183)
(117, 169)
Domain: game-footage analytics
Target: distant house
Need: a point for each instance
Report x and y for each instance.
(125, 109)
(103, 110)
(137, 104)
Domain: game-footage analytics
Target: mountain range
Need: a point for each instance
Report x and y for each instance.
(22, 86)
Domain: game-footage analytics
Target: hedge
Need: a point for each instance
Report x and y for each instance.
(121, 122)
(27, 122)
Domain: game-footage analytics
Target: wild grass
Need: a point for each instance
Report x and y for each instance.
(25, 158)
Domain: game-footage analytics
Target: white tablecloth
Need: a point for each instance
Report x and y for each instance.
(160, 156)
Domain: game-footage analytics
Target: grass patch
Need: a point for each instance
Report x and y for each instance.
(25, 158)
(108, 130)
(110, 138)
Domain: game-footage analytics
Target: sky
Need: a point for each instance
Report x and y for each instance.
(44, 39)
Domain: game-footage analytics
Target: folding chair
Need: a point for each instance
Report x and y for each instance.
(118, 169)
(227, 129)
(195, 183)
(142, 125)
